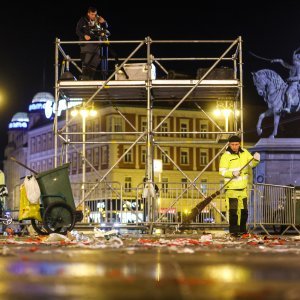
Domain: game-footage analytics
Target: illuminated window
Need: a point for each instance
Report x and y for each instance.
(184, 183)
(79, 157)
(203, 128)
(44, 142)
(143, 156)
(89, 156)
(74, 137)
(144, 125)
(165, 128)
(164, 184)
(74, 162)
(89, 128)
(96, 157)
(127, 184)
(96, 125)
(104, 155)
(128, 156)
(184, 157)
(203, 186)
(44, 165)
(50, 163)
(203, 157)
(183, 128)
(50, 140)
(33, 145)
(39, 144)
(118, 124)
(115, 123)
(164, 157)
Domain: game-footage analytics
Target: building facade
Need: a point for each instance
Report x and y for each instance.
(107, 137)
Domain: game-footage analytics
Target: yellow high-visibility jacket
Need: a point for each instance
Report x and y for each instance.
(2, 178)
(230, 162)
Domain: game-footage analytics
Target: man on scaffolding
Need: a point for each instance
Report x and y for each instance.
(91, 27)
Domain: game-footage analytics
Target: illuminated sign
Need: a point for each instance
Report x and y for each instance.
(63, 104)
(17, 124)
(37, 106)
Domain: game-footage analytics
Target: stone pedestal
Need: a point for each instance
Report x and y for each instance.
(280, 161)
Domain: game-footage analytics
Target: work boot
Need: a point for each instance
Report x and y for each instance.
(236, 235)
(244, 218)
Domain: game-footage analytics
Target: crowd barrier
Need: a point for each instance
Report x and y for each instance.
(272, 208)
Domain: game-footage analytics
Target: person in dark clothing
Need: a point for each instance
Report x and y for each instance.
(91, 27)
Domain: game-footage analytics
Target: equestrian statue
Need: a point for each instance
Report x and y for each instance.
(282, 97)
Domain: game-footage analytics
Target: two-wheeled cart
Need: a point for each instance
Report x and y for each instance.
(57, 205)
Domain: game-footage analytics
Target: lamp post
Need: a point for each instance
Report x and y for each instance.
(225, 109)
(157, 168)
(84, 113)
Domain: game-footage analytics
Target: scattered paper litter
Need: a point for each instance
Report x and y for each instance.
(5, 251)
(56, 237)
(115, 242)
(98, 233)
(206, 238)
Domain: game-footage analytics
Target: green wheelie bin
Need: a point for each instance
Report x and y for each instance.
(57, 203)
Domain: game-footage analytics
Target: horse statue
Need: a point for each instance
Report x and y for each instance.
(273, 88)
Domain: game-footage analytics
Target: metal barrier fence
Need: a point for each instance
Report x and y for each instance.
(274, 208)
(110, 203)
(271, 207)
(177, 200)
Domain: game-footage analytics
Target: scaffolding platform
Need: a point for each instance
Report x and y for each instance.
(161, 90)
(211, 73)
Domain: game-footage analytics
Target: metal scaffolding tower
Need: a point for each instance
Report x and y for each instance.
(167, 88)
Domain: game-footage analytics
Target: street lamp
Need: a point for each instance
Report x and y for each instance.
(3, 97)
(225, 109)
(157, 169)
(84, 113)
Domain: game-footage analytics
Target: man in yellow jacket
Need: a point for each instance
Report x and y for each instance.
(3, 192)
(231, 163)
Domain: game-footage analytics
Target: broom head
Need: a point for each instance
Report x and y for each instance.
(199, 207)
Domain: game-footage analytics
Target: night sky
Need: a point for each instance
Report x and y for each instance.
(28, 30)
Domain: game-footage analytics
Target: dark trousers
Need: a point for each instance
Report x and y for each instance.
(233, 217)
(90, 57)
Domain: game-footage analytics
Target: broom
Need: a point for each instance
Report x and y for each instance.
(201, 205)
(23, 165)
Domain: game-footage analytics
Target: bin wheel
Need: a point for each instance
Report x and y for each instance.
(7, 220)
(59, 217)
(39, 227)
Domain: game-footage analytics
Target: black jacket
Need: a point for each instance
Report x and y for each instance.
(85, 28)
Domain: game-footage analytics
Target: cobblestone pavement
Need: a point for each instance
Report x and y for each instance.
(132, 266)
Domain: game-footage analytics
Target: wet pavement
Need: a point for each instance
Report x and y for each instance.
(201, 266)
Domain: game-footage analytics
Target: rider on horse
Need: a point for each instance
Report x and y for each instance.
(293, 80)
